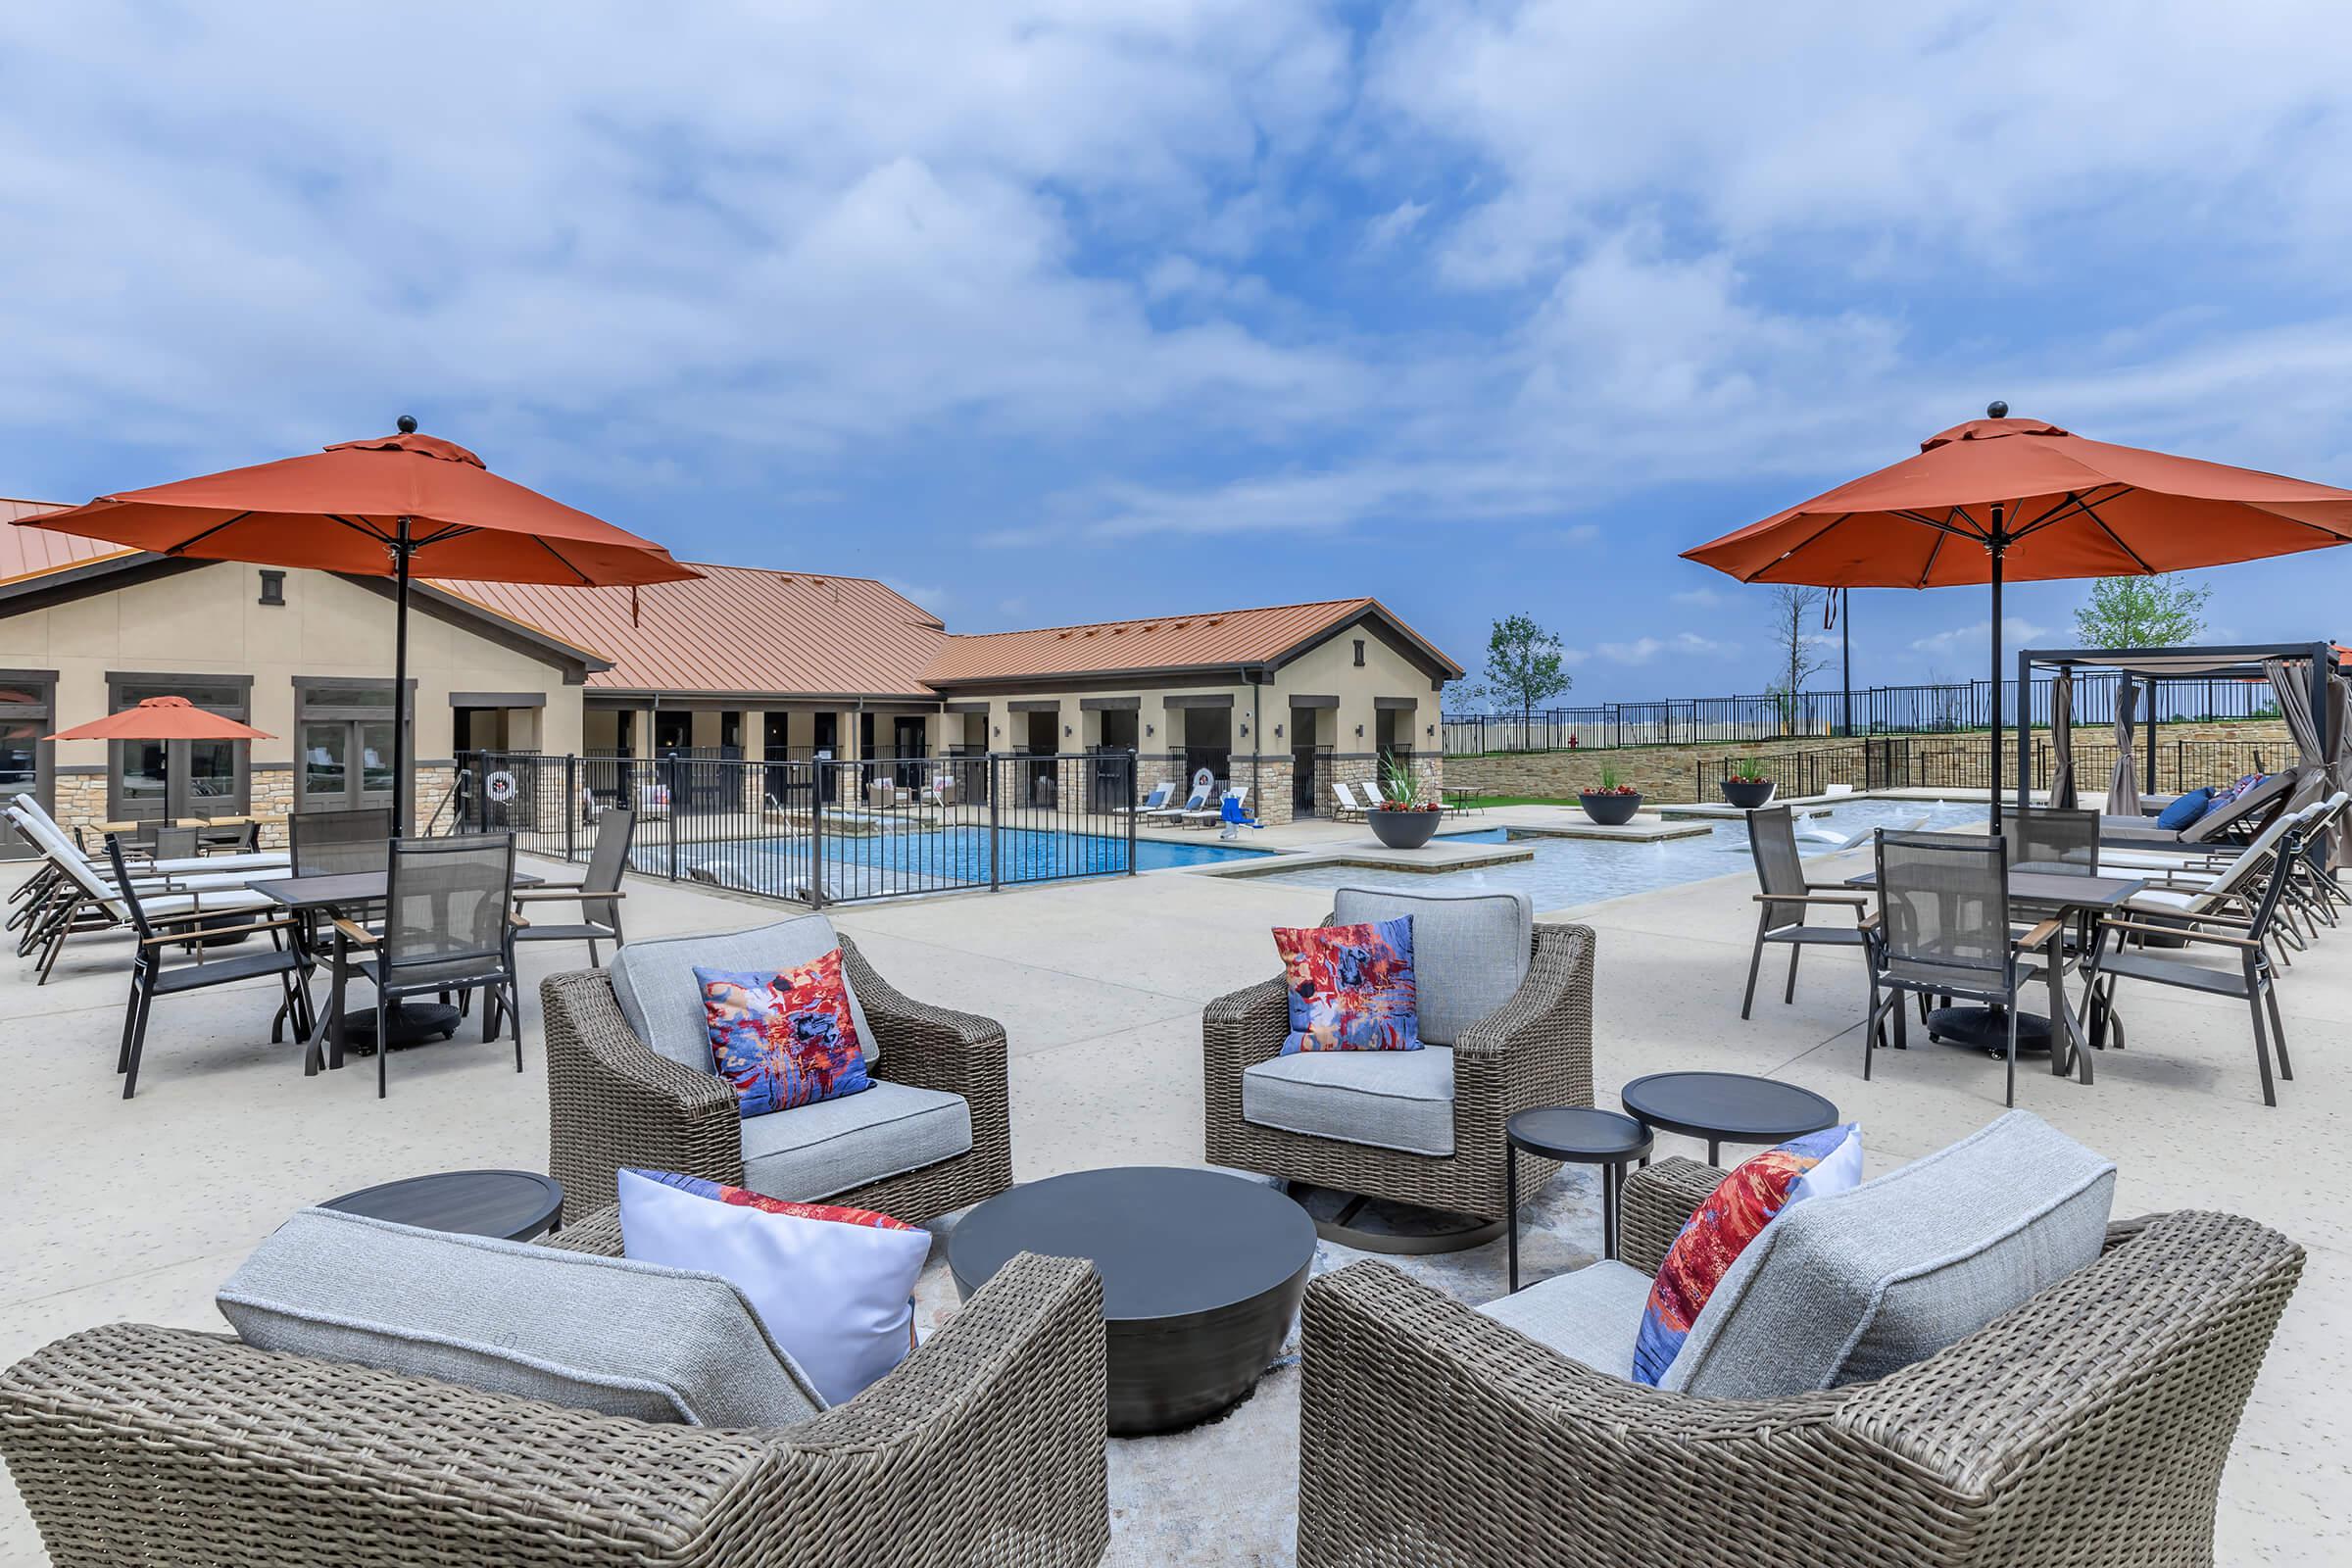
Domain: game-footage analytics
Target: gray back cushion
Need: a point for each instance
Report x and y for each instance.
(1470, 950)
(600, 1334)
(1852, 1287)
(664, 1002)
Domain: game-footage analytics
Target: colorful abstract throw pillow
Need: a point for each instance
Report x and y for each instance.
(1751, 1197)
(785, 1039)
(833, 1286)
(1352, 987)
(2231, 791)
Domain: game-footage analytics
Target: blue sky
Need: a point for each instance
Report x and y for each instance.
(1070, 310)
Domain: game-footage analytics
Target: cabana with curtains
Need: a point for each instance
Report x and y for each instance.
(2315, 700)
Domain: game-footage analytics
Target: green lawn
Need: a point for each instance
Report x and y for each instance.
(1481, 801)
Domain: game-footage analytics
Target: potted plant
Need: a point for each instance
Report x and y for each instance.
(1614, 803)
(1745, 785)
(1405, 820)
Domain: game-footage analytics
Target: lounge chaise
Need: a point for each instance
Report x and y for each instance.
(2242, 817)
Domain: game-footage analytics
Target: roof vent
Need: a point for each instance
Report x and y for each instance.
(1061, 636)
(1118, 631)
(1179, 625)
(1092, 630)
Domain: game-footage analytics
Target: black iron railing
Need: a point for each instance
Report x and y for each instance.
(1906, 761)
(820, 830)
(1921, 710)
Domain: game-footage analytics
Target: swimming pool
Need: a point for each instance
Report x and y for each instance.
(873, 866)
(1565, 872)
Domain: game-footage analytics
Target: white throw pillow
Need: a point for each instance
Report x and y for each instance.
(834, 1287)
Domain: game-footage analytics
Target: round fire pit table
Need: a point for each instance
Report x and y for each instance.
(1726, 1107)
(1202, 1274)
(513, 1206)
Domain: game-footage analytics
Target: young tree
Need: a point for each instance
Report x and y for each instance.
(1797, 655)
(2141, 612)
(1524, 665)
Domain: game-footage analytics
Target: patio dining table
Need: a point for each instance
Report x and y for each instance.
(338, 896)
(2069, 895)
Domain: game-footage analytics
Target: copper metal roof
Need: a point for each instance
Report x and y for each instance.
(1207, 639)
(736, 629)
(36, 552)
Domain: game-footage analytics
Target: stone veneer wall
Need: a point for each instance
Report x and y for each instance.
(82, 800)
(1665, 772)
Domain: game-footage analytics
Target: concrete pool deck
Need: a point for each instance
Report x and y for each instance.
(140, 1210)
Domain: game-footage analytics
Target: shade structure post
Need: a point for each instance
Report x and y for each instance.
(402, 823)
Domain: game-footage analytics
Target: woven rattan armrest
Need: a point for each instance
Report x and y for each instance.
(613, 1101)
(1244, 1027)
(928, 1046)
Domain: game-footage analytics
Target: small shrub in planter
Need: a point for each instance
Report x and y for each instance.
(1745, 785)
(1407, 821)
(1614, 803)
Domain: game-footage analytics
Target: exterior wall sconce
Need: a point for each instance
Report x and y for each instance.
(1278, 732)
(1430, 730)
(1149, 731)
(1244, 729)
(998, 730)
(1360, 732)
(1066, 731)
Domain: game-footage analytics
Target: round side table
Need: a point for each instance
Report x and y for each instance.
(513, 1206)
(1574, 1135)
(1726, 1107)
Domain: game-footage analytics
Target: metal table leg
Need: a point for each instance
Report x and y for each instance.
(1510, 1198)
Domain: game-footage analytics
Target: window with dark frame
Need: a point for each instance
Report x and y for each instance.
(1359, 653)
(172, 779)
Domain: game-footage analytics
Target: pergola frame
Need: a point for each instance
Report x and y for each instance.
(2155, 665)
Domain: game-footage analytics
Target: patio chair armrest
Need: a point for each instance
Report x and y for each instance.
(2039, 936)
(1243, 1028)
(1851, 901)
(2181, 932)
(562, 895)
(614, 1100)
(1656, 1202)
(927, 1046)
(1617, 1471)
(1552, 1007)
(985, 1445)
(598, 1233)
(358, 936)
(214, 931)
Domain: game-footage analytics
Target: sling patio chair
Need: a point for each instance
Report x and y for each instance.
(338, 843)
(53, 890)
(87, 905)
(2225, 893)
(447, 927)
(1347, 804)
(598, 893)
(1153, 802)
(151, 976)
(1944, 931)
(1196, 801)
(1211, 816)
(1787, 899)
(2251, 981)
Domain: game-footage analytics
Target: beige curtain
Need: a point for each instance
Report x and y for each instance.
(2123, 791)
(2062, 741)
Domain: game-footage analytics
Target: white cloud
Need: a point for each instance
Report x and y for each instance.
(1641, 649)
(1696, 597)
(1394, 224)
(924, 596)
(1977, 638)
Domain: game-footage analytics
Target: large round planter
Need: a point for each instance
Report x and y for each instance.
(1611, 811)
(1746, 795)
(1403, 830)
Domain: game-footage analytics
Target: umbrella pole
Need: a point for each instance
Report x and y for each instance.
(1995, 545)
(402, 823)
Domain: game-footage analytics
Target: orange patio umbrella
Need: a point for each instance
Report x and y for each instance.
(2000, 500)
(161, 718)
(371, 509)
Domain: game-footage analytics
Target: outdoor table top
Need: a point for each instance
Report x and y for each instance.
(342, 888)
(2056, 889)
(1732, 1107)
(510, 1205)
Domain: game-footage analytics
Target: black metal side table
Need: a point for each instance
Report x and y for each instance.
(1726, 1107)
(1574, 1135)
(513, 1206)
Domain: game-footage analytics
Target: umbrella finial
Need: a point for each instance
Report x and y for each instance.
(1995, 410)
(406, 423)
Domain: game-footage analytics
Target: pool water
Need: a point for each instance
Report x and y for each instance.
(863, 866)
(1566, 872)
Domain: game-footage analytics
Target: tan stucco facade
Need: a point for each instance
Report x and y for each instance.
(210, 622)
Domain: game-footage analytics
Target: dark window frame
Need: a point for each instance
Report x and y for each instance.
(120, 687)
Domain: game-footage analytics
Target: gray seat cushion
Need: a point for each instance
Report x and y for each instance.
(600, 1334)
(664, 1003)
(1592, 1315)
(814, 1151)
(1851, 1286)
(1387, 1098)
(1470, 950)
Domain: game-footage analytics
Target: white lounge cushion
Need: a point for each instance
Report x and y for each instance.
(605, 1334)
(1590, 1315)
(1400, 1100)
(655, 984)
(812, 1151)
(1470, 950)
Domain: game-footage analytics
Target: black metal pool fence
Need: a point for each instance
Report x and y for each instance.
(1906, 761)
(819, 830)
(1926, 710)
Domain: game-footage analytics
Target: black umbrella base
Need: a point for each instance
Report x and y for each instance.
(413, 1023)
(1988, 1029)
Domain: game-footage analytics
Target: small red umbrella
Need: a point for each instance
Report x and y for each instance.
(161, 718)
(369, 508)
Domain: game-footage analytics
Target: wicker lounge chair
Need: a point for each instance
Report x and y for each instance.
(134, 1445)
(1534, 1050)
(614, 1100)
(2089, 1426)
